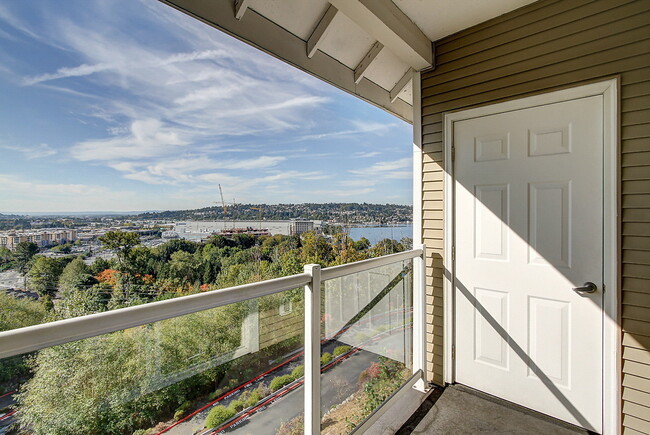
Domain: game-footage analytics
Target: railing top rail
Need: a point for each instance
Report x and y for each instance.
(31, 338)
(360, 266)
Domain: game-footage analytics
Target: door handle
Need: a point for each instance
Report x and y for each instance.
(588, 287)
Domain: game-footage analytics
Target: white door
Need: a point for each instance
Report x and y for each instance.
(528, 230)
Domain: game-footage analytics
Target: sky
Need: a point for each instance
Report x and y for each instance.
(127, 105)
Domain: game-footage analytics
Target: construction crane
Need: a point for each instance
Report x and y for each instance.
(225, 207)
(223, 202)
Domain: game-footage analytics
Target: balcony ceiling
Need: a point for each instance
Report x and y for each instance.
(368, 48)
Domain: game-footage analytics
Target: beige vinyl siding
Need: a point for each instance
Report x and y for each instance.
(545, 46)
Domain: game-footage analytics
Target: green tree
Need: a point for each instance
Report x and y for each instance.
(121, 242)
(81, 302)
(316, 249)
(5, 255)
(22, 257)
(76, 276)
(113, 384)
(183, 267)
(362, 244)
(385, 247)
(44, 275)
(17, 313)
(65, 248)
(99, 265)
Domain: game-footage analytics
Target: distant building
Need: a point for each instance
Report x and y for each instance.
(42, 238)
(298, 227)
(199, 230)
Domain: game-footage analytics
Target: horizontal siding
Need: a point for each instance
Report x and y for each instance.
(545, 46)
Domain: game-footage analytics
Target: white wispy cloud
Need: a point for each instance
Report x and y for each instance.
(146, 138)
(32, 195)
(189, 109)
(391, 169)
(359, 127)
(364, 155)
(32, 152)
(190, 169)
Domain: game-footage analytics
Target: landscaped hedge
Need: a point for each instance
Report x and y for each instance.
(218, 415)
(298, 372)
(325, 358)
(340, 350)
(280, 382)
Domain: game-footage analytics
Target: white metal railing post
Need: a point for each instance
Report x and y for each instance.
(419, 319)
(312, 349)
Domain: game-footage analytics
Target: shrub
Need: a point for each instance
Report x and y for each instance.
(181, 410)
(218, 415)
(280, 382)
(298, 372)
(253, 398)
(292, 427)
(238, 404)
(325, 358)
(340, 350)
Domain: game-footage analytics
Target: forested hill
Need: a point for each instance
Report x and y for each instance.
(334, 212)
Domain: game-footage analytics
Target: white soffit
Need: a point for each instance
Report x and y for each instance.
(346, 42)
(440, 18)
(363, 35)
(386, 70)
(297, 16)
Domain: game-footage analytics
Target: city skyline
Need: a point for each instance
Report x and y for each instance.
(129, 106)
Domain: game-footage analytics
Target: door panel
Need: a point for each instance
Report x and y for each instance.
(528, 195)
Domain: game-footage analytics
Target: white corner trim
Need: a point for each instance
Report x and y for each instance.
(447, 261)
(417, 161)
(611, 330)
(609, 90)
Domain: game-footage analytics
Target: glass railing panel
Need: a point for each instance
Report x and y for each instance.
(234, 368)
(366, 349)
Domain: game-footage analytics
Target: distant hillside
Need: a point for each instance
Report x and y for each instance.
(333, 212)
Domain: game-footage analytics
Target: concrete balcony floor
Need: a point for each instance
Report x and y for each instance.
(457, 409)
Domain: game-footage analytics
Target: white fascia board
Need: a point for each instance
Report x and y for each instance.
(385, 22)
(262, 33)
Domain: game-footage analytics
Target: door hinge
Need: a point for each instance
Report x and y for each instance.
(453, 253)
(604, 288)
(453, 351)
(453, 153)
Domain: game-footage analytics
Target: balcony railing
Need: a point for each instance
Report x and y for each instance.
(367, 312)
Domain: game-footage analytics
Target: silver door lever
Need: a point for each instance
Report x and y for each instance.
(588, 287)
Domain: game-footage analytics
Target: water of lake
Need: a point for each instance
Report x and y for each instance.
(375, 234)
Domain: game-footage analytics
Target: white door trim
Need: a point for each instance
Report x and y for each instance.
(611, 334)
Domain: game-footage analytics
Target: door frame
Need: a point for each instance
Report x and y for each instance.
(609, 89)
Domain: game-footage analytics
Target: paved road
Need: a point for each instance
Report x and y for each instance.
(6, 418)
(11, 279)
(337, 384)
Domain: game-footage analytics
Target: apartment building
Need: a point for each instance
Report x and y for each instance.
(42, 238)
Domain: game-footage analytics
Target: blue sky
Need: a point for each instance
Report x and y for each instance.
(131, 105)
